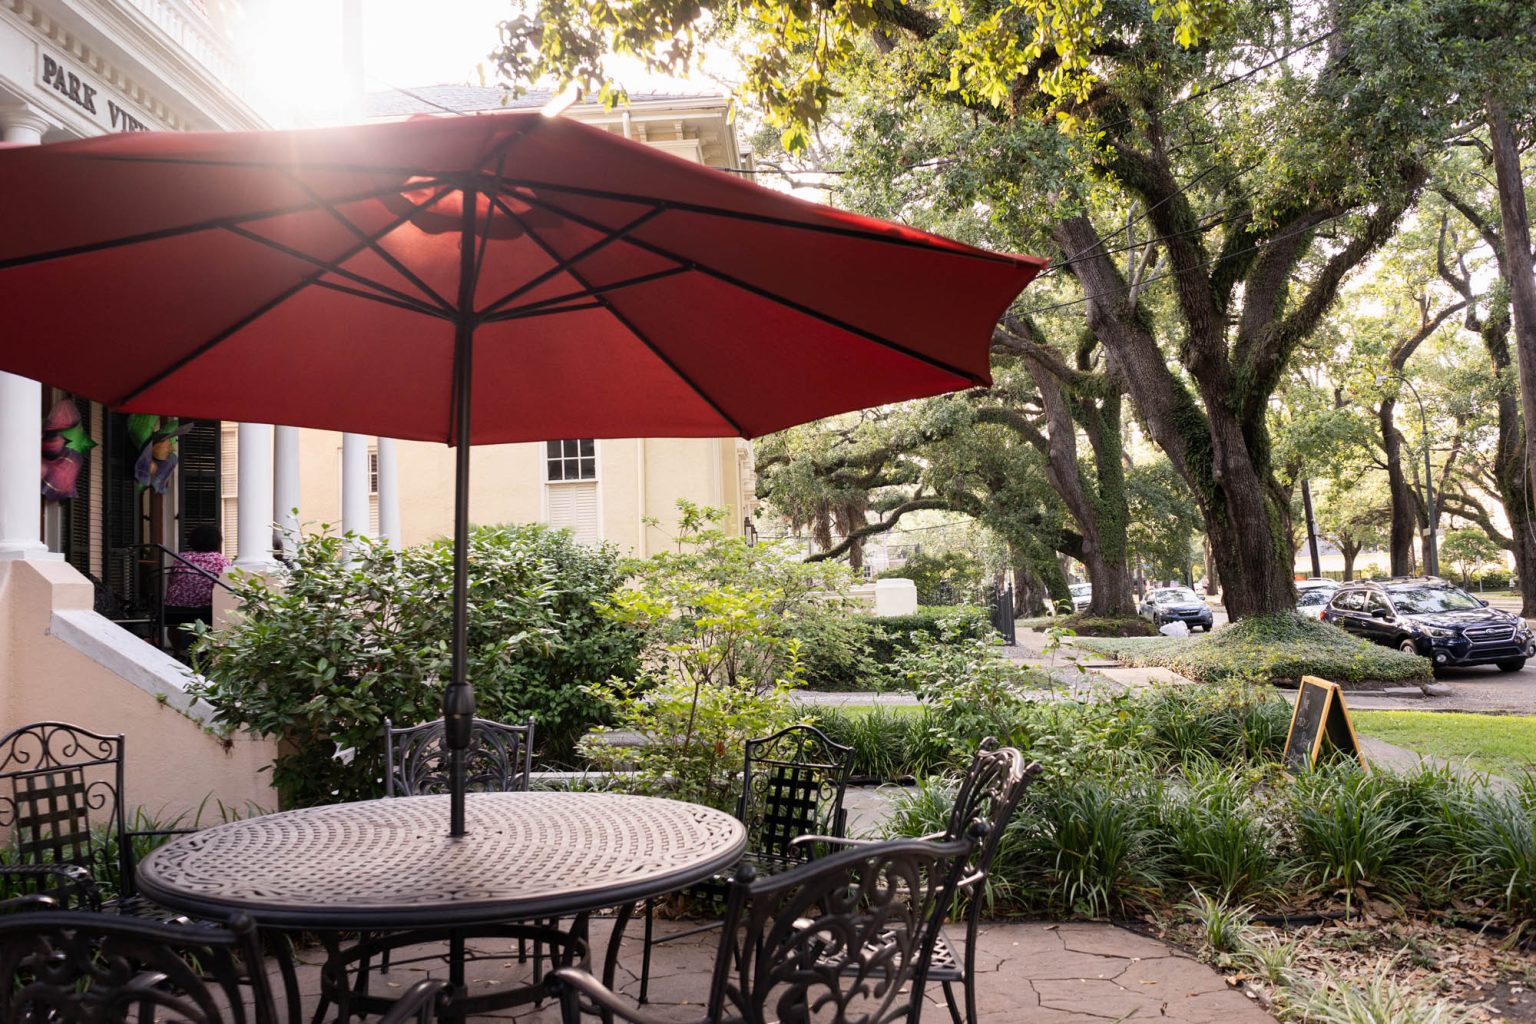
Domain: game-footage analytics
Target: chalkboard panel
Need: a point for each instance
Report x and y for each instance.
(1320, 714)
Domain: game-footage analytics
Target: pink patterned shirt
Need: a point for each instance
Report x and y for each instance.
(189, 589)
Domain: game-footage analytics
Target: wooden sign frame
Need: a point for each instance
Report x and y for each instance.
(1321, 712)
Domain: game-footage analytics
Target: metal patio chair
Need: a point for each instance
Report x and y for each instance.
(81, 966)
(499, 759)
(61, 795)
(989, 793)
(793, 784)
(844, 938)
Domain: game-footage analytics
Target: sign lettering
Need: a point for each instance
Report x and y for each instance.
(59, 77)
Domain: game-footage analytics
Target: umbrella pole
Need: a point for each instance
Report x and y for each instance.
(459, 697)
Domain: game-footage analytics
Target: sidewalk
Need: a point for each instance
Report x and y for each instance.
(1027, 973)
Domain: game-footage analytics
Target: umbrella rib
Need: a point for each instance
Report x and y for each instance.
(763, 218)
(536, 308)
(566, 263)
(372, 241)
(382, 292)
(213, 224)
(771, 296)
(233, 328)
(410, 305)
(632, 329)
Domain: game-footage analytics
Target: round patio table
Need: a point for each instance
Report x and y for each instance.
(390, 864)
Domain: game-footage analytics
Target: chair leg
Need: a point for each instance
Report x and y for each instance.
(645, 952)
(954, 1007)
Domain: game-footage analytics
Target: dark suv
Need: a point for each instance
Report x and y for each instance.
(1428, 616)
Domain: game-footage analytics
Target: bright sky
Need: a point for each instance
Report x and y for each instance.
(293, 51)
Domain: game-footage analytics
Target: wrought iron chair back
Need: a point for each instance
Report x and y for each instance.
(75, 966)
(81, 966)
(499, 758)
(793, 784)
(61, 792)
(990, 792)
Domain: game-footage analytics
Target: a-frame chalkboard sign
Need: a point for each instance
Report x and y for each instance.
(1320, 715)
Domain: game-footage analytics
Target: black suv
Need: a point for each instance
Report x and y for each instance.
(1428, 616)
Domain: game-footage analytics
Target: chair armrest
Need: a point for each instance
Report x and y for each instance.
(76, 880)
(421, 1001)
(571, 982)
(845, 841)
(22, 903)
(829, 840)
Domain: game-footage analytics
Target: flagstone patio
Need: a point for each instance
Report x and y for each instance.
(1030, 973)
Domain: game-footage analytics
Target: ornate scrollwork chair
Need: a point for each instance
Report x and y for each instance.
(61, 796)
(844, 938)
(989, 793)
(74, 966)
(792, 784)
(499, 758)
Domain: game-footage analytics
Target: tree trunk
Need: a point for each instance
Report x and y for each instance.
(1350, 551)
(1404, 510)
(1516, 263)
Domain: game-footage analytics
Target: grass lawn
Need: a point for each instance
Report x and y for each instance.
(1502, 744)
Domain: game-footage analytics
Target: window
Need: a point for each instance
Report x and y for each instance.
(1377, 603)
(571, 459)
(1350, 601)
(570, 489)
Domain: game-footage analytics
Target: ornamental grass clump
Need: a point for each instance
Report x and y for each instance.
(1219, 838)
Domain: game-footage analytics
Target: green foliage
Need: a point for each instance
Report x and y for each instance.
(887, 743)
(973, 691)
(693, 736)
(336, 645)
(836, 651)
(1220, 842)
(1086, 625)
(1283, 646)
(1349, 835)
(895, 634)
(1469, 550)
(1222, 924)
(941, 578)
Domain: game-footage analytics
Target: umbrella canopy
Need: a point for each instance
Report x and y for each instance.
(495, 278)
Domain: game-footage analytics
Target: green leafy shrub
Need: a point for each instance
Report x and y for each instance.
(972, 690)
(1114, 626)
(321, 658)
(1493, 835)
(835, 649)
(1218, 838)
(896, 633)
(941, 578)
(1281, 647)
(1097, 844)
(1348, 833)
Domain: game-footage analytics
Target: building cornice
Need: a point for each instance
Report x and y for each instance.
(187, 76)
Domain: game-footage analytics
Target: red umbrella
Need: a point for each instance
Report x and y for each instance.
(588, 286)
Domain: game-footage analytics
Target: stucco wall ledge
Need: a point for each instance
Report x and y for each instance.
(130, 658)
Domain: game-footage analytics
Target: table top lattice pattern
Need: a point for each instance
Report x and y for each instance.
(374, 862)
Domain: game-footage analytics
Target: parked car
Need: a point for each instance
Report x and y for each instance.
(1082, 596)
(1177, 604)
(1312, 597)
(1425, 615)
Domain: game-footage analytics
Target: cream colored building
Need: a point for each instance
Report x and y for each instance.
(603, 490)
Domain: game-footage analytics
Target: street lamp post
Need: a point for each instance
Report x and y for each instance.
(1431, 553)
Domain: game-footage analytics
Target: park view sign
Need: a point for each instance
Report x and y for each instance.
(69, 83)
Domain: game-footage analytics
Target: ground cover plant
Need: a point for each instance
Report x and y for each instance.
(1501, 744)
(1280, 648)
(1083, 624)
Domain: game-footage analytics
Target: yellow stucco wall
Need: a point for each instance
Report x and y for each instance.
(172, 764)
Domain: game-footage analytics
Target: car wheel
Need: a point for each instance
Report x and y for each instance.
(1511, 664)
(1409, 646)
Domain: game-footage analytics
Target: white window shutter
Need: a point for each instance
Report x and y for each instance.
(574, 507)
(229, 486)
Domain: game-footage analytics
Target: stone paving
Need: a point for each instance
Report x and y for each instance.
(1028, 973)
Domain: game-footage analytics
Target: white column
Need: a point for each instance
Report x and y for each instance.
(285, 486)
(354, 484)
(255, 509)
(21, 410)
(389, 494)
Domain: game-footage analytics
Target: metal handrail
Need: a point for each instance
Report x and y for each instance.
(167, 551)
